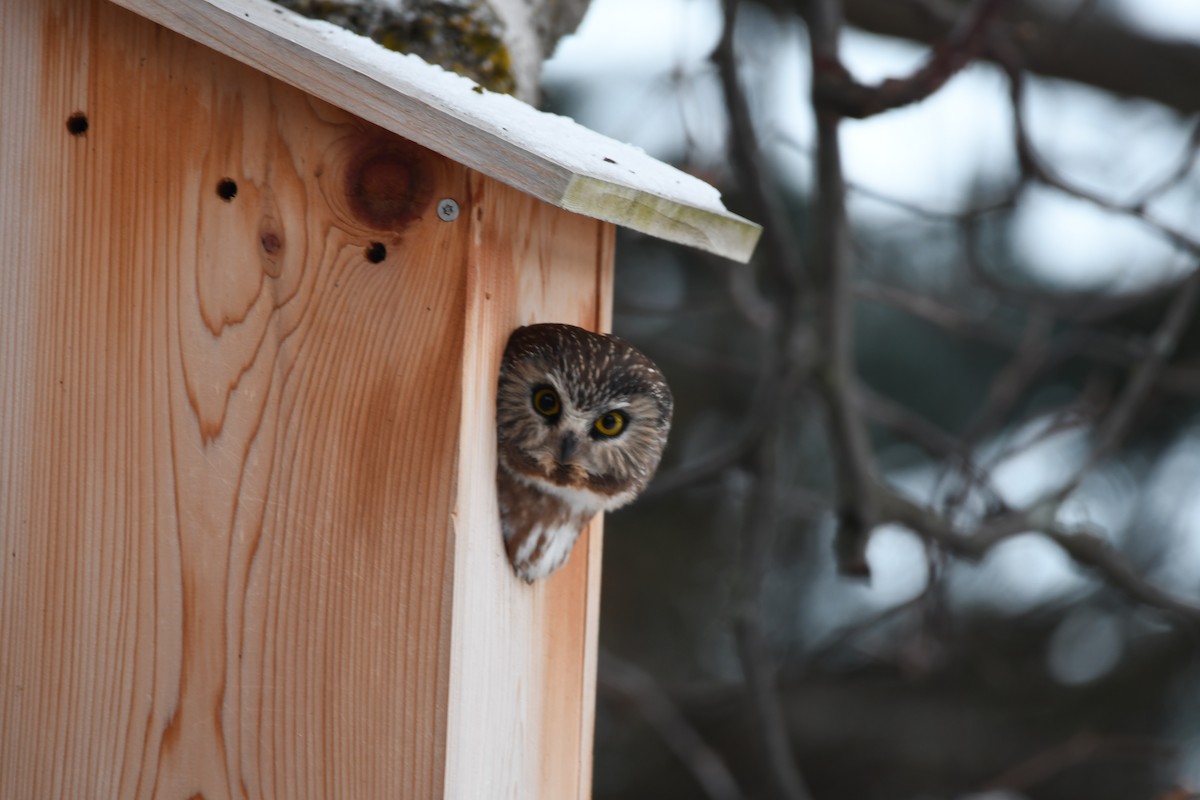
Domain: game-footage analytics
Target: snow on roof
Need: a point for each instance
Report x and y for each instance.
(548, 156)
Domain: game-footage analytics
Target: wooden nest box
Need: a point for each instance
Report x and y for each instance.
(256, 275)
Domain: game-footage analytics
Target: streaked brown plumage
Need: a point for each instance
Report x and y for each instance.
(582, 420)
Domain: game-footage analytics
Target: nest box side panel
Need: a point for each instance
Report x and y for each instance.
(231, 337)
(522, 684)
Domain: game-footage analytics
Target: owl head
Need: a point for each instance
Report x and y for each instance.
(580, 415)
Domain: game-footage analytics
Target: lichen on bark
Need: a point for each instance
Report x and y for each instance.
(464, 36)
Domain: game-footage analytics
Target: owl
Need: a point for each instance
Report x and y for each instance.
(581, 421)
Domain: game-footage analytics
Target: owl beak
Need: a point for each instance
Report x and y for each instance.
(567, 447)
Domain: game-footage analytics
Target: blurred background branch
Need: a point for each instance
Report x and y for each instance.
(929, 524)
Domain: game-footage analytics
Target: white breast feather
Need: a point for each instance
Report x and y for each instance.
(559, 541)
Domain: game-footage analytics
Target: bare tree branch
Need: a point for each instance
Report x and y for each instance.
(1099, 50)
(1033, 164)
(1183, 167)
(1078, 749)
(621, 678)
(1120, 419)
(890, 414)
(779, 251)
(761, 523)
(761, 516)
(1011, 383)
(1086, 549)
(1093, 345)
(832, 269)
(836, 90)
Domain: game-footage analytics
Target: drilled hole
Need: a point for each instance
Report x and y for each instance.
(227, 189)
(376, 252)
(77, 123)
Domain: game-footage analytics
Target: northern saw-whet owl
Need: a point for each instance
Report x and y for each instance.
(581, 420)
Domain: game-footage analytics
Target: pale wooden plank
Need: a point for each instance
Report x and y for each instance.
(230, 441)
(541, 638)
(606, 259)
(27, 598)
(544, 155)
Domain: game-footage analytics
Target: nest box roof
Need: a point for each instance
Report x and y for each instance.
(545, 155)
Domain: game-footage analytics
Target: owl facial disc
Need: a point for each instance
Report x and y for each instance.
(582, 420)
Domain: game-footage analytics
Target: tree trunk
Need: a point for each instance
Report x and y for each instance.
(498, 43)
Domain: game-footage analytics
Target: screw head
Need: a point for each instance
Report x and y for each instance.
(447, 210)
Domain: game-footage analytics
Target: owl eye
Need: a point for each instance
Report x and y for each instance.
(610, 424)
(545, 402)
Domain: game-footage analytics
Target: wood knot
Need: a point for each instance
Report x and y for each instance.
(270, 238)
(389, 185)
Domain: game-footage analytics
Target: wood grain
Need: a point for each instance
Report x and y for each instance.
(248, 529)
(544, 634)
(544, 155)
